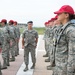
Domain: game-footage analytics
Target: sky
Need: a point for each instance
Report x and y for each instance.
(39, 11)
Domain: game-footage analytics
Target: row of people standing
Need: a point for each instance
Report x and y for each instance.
(9, 42)
(60, 42)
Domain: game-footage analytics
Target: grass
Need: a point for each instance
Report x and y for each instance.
(21, 30)
(40, 30)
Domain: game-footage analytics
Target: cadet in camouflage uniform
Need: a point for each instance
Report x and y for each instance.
(0, 49)
(56, 28)
(18, 37)
(65, 46)
(48, 41)
(29, 43)
(50, 50)
(13, 39)
(45, 39)
(5, 43)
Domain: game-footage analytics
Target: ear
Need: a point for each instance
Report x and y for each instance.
(66, 15)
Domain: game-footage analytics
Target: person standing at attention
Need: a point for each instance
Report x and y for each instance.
(29, 43)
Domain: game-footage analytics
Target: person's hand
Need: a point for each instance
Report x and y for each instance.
(18, 39)
(11, 43)
(35, 46)
(0, 50)
(22, 47)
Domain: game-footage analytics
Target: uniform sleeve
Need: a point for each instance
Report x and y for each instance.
(19, 32)
(44, 34)
(15, 32)
(23, 34)
(36, 34)
(71, 52)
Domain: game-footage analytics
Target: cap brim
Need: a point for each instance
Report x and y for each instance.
(58, 12)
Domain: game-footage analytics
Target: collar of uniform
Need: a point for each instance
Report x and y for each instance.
(30, 30)
(73, 20)
(65, 25)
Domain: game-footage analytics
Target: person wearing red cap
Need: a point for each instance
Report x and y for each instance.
(52, 27)
(5, 44)
(45, 37)
(18, 37)
(65, 45)
(13, 38)
(11, 22)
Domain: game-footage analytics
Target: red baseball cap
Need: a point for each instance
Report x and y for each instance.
(11, 21)
(45, 23)
(49, 20)
(52, 19)
(65, 8)
(3, 20)
(15, 22)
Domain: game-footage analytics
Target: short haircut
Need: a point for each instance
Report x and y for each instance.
(29, 22)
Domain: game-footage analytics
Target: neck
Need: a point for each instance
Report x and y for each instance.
(64, 22)
(29, 28)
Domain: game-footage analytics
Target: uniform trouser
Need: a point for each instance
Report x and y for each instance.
(29, 48)
(64, 65)
(52, 55)
(0, 69)
(12, 48)
(5, 56)
(16, 48)
(64, 70)
(46, 46)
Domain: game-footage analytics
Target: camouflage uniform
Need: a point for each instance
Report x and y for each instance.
(52, 47)
(50, 50)
(17, 42)
(30, 45)
(65, 51)
(0, 47)
(13, 38)
(0, 69)
(46, 36)
(5, 46)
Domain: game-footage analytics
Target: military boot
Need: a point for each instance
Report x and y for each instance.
(46, 55)
(0, 72)
(49, 67)
(47, 60)
(8, 64)
(26, 68)
(12, 59)
(4, 64)
(16, 53)
(0, 69)
(33, 66)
